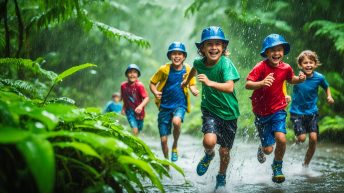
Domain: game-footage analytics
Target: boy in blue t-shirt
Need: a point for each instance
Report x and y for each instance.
(171, 99)
(304, 110)
(115, 105)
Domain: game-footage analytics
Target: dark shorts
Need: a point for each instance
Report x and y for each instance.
(305, 123)
(133, 122)
(268, 125)
(224, 129)
(165, 119)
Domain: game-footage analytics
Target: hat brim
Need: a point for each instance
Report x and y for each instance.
(284, 44)
(199, 44)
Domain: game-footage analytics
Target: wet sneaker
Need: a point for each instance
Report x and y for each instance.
(174, 155)
(203, 165)
(277, 175)
(220, 181)
(260, 155)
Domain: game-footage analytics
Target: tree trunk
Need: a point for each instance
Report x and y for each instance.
(7, 32)
(20, 28)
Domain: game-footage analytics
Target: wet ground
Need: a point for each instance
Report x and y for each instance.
(246, 175)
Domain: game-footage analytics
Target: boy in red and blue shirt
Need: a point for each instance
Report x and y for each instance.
(135, 98)
(269, 102)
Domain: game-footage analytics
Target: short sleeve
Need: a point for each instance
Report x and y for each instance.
(290, 73)
(323, 83)
(142, 90)
(255, 73)
(156, 78)
(230, 72)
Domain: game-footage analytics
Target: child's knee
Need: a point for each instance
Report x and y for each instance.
(301, 138)
(268, 150)
(163, 140)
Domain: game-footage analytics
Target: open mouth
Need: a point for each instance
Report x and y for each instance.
(276, 57)
(214, 52)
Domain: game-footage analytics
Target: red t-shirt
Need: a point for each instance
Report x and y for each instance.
(268, 100)
(133, 94)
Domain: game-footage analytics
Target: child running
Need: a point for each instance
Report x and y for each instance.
(269, 102)
(135, 98)
(171, 99)
(219, 104)
(304, 110)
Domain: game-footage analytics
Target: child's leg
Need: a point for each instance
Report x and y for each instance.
(135, 131)
(301, 138)
(164, 146)
(280, 145)
(224, 159)
(313, 138)
(209, 142)
(177, 122)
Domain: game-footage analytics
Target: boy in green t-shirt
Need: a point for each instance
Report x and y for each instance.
(219, 104)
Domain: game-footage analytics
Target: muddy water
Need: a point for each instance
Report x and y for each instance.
(246, 175)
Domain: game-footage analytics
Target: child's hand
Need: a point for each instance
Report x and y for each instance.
(302, 76)
(203, 78)
(268, 80)
(138, 109)
(194, 90)
(157, 94)
(287, 98)
(330, 100)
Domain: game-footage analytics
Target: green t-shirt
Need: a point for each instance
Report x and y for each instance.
(224, 105)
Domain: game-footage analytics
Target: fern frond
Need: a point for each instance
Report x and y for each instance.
(20, 87)
(116, 33)
(331, 30)
(26, 64)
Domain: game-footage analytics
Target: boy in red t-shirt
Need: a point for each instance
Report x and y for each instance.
(269, 102)
(135, 98)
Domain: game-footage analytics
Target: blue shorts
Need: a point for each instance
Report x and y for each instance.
(165, 119)
(305, 123)
(224, 129)
(133, 122)
(268, 125)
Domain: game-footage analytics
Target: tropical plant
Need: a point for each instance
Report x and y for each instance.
(57, 147)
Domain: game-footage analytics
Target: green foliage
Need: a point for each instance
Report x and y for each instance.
(63, 148)
(331, 30)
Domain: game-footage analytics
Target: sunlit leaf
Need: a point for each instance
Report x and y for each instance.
(71, 71)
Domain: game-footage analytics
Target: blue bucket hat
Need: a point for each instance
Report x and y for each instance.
(210, 33)
(176, 46)
(274, 40)
(133, 66)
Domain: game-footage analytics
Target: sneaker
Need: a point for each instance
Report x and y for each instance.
(174, 155)
(220, 181)
(203, 165)
(260, 155)
(277, 175)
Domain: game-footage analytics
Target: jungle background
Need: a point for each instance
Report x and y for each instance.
(57, 35)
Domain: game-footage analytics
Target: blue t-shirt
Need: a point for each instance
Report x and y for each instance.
(172, 94)
(112, 106)
(305, 95)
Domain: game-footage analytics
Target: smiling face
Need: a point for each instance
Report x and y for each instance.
(275, 55)
(177, 58)
(132, 75)
(213, 50)
(307, 65)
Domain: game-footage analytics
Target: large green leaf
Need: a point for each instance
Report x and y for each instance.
(84, 148)
(12, 135)
(39, 156)
(141, 165)
(71, 71)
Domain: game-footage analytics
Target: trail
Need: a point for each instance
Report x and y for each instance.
(245, 174)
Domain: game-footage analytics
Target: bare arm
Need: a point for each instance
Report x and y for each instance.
(227, 87)
(139, 108)
(191, 74)
(329, 96)
(267, 81)
(155, 91)
(298, 79)
(194, 90)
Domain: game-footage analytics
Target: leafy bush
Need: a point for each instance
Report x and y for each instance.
(57, 147)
